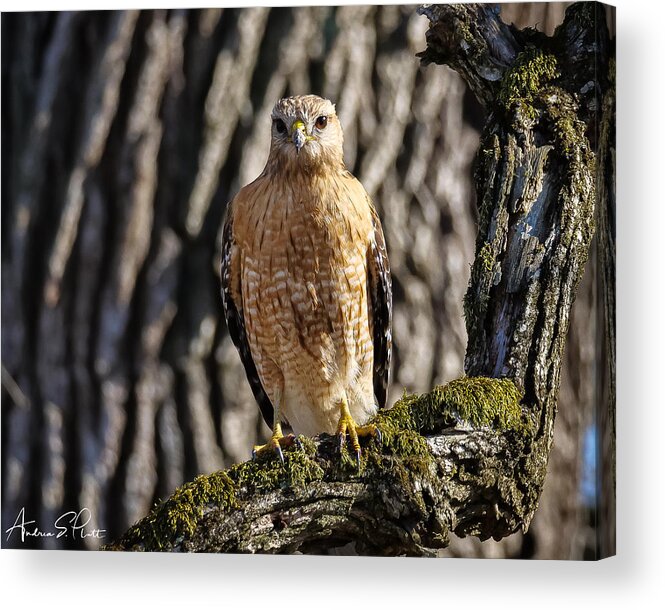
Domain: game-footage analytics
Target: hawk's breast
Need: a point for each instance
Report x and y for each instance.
(305, 301)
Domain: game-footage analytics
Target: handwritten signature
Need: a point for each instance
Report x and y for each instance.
(68, 524)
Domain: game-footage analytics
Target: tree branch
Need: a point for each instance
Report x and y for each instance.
(468, 458)
(411, 490)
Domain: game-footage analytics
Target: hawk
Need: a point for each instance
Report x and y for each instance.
(306, 283)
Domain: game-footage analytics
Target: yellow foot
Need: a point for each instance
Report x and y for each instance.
(348, 425)
(276, 443)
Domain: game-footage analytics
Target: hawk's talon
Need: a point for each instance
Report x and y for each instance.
(348, 425)
(274, 446)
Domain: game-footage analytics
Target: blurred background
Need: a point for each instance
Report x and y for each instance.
(124, 135)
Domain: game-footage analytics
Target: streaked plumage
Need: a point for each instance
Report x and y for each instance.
(305, 278)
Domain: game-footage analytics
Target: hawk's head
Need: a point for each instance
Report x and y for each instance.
(306, 130)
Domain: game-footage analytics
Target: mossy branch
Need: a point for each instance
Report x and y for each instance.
(415, 485)
(469, 457)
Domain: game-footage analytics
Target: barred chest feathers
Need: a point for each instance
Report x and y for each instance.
(305, 296)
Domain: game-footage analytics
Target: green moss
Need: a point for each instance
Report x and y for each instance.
(489, 157)
(269, 474)
(486, 257)
(178, 516)
(569, 132)
(475, 301)
(524, 79)
(480, 401)
(484, 401)
(466, 37)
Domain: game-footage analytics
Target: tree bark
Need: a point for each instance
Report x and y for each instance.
(470, 457)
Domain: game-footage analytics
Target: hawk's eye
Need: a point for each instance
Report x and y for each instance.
(280, 126)
(321, 122)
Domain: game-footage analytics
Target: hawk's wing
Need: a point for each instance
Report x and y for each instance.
(381, 297)
(232, 299)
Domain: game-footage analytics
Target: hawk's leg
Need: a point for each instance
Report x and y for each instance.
(277, 441)
(347, 424)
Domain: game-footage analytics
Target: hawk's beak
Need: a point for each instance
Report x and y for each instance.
(298, 135)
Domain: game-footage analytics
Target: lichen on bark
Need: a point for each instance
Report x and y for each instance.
(524, 80)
